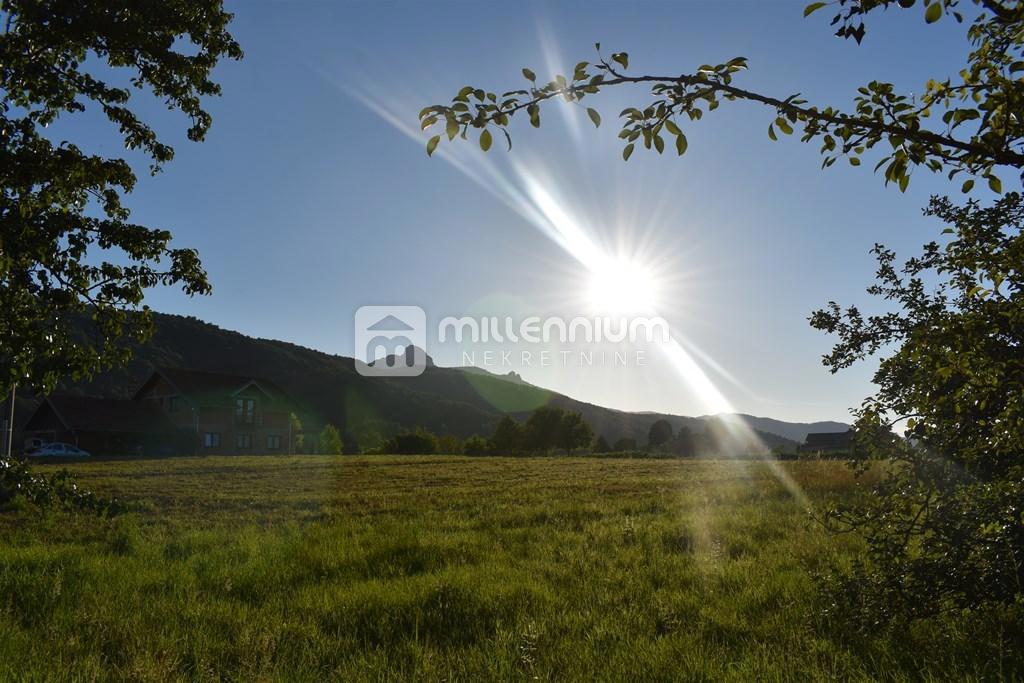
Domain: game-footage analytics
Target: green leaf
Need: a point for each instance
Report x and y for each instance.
(594, 116)
(995, 184)
(904, 182)
(451, 128)
(530, 76)
(934, 12)
(854, 161)
(659, 144)
(534, 111)
(771, 133)
(681, 144)
(968, 184)
(485, 140)
(622, 58)
(627, 151)
(813, 7)
(671, 127)
(432, 144)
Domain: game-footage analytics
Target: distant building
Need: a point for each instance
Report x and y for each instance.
(175, 412)
(226, 413)
(828, 443)
(105, 425)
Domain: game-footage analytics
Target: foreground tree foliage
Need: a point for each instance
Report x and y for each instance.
(980, 126)
(67, 248)
(945, 525)
(68, 252)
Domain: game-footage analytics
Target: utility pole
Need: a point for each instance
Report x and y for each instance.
(10, 423)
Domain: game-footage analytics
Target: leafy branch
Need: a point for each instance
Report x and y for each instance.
(980, 129)
(59, 490)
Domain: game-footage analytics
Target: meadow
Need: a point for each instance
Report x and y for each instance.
(449, 568)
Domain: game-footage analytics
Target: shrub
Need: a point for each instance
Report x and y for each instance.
(330, 440)
(419, 442)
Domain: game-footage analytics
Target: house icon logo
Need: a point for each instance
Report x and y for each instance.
(390, 341)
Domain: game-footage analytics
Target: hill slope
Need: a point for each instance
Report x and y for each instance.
(459, 401)
(794, 431)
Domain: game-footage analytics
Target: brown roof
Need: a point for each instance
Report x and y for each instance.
(92, 413)
(206, 388)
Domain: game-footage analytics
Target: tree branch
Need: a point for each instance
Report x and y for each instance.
(1006, 157)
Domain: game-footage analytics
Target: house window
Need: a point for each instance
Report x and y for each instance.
(243, 441)
(172, 404)
(273, 442)
(211, 439)
(245, 410)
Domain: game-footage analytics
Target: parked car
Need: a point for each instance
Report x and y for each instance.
(57, 450)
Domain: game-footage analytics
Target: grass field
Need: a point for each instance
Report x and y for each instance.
(446, 568)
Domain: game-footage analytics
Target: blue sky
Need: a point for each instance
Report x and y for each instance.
(305, 203)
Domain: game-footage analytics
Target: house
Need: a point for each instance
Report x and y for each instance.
(105, 425)
(225, 414)
(175, 412)
(828, 443)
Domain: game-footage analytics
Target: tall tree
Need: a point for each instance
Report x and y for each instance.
(684, 442)
(508, 437)
(543, 427)
(573, 433)
(68, 252)
(979, 127)
(659, 434)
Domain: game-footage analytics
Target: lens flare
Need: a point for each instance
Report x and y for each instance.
(616, 284)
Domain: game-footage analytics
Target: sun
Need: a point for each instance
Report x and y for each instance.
(622, 286)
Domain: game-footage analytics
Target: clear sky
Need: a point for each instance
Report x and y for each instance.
(306, 203)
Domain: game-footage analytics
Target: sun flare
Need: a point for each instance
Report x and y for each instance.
(622, 286)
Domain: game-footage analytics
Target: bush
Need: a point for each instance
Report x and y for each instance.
(59, 490)
(475, 445)
(419, 442)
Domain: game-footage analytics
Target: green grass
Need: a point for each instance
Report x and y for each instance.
(370, 568)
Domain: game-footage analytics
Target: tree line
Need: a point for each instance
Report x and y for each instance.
(547, 430)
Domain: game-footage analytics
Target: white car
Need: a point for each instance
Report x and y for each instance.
(57, 450)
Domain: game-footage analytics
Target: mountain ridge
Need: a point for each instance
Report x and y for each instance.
(327, 389)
